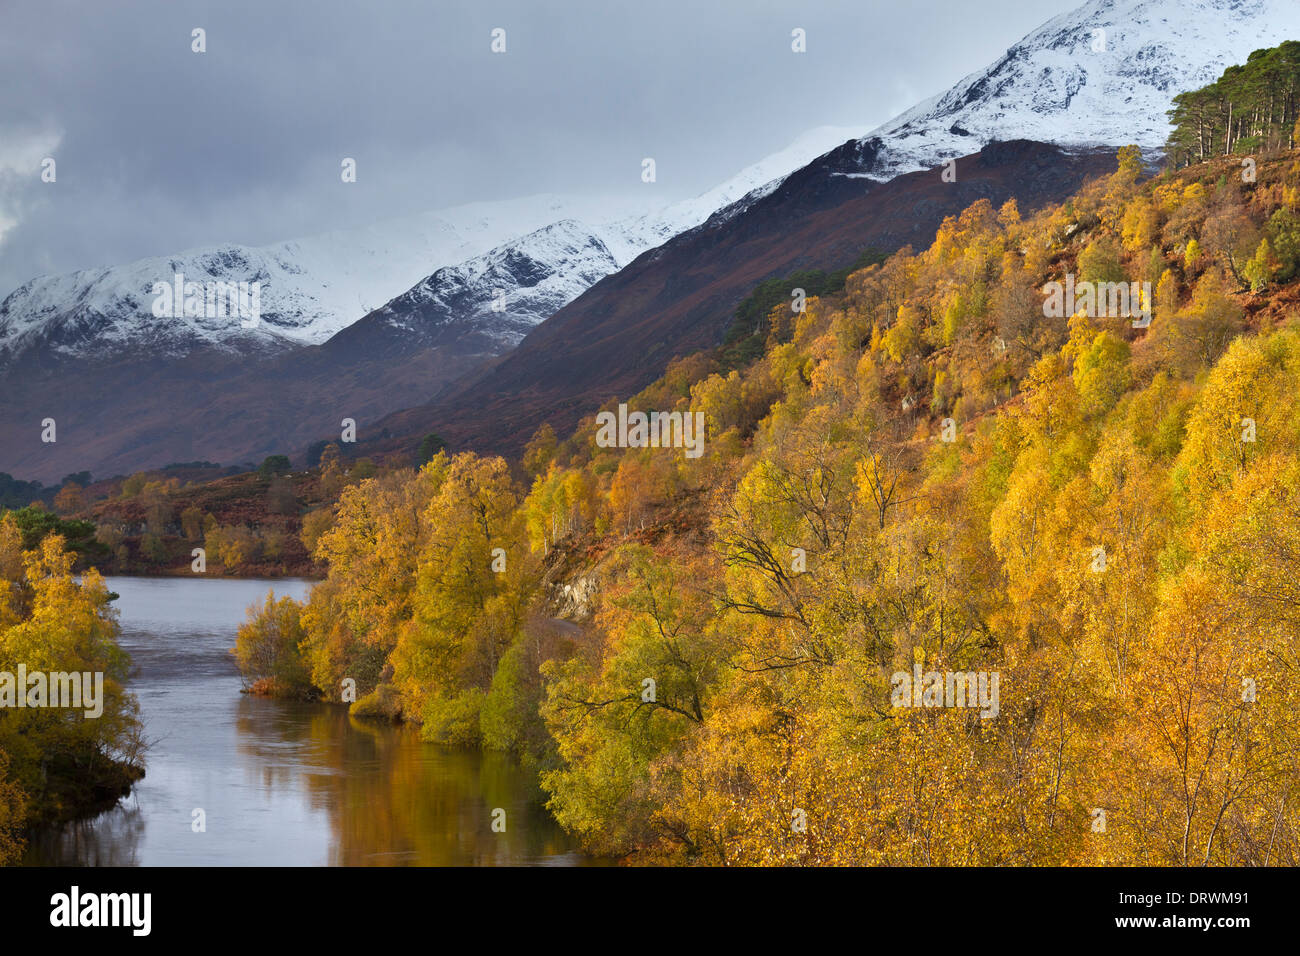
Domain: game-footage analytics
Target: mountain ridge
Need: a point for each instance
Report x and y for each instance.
(313, 288)
(1051, 87)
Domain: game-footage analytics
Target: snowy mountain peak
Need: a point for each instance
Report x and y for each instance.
(310, 288)
(313, 288)
(1102, 74)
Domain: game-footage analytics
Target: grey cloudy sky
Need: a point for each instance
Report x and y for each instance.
(161, 149)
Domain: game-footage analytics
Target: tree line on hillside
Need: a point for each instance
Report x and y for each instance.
(1253, 107)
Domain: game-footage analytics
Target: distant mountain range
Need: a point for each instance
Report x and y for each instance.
(483, 321)
(131, 390)
(620, 334)
(313, 288)
(1087, 82)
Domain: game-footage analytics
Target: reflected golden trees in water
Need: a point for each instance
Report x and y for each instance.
(110, 839)
(392, 799)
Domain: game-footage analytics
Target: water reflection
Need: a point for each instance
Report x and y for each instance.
(286, 783)
(109, 840)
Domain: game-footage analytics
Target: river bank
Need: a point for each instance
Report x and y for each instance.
(235, 779)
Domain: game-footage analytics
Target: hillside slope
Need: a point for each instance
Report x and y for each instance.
(677, 299)
(1091, 80)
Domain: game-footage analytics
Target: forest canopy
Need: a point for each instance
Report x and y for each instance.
(1254, 107)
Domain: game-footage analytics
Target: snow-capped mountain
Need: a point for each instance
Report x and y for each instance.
(1104, 73)
(1034, 125)
(752, 183)
(496, 298)
(312, 288)
(390, 325)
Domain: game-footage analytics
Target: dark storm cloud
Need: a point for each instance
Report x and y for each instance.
(159, 148)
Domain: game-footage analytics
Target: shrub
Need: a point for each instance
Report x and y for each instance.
(266, 650)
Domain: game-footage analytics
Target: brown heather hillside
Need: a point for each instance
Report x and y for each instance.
(676, 300)
(249, 525)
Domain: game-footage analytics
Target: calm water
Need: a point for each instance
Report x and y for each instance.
(285, 783)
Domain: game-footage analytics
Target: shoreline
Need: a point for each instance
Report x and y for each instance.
(215, 576)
